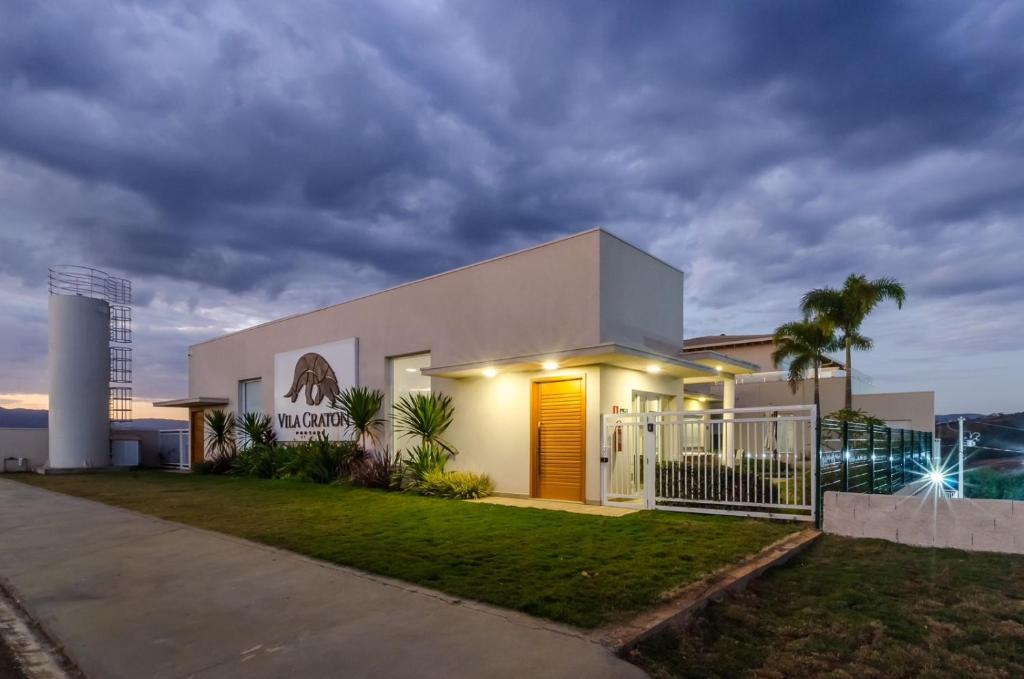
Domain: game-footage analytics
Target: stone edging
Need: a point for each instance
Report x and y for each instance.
(621, 638)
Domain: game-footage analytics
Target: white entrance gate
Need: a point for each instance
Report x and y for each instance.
(746, 461)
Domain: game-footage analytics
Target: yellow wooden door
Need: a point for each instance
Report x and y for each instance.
(559, 433)
(196, 435)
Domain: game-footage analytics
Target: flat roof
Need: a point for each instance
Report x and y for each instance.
(723, 340)
(443, 273)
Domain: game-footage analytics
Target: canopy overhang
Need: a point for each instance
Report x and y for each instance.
(192, 402)
(721, 363)
(604, 354)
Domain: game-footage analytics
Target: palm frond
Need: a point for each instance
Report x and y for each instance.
(426, 417)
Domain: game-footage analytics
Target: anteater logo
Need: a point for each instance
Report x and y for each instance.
(314, 374)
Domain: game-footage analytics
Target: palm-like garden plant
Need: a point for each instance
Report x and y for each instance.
(257, 430)
(361, 406)
(426, 417)
(220, 436)
(846, 309)
(803, 344)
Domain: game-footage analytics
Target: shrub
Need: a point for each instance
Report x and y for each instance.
(263, 461)
(426, 417)
(379, 469)
(321, 460)
(422, 460)
(220, 443)
(993, 484)
(257, 430)
(709, 480)
(455, 485)
(360, 406)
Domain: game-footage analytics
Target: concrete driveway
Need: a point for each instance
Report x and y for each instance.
(133, 596)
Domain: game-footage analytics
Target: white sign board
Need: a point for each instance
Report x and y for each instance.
(306, 382)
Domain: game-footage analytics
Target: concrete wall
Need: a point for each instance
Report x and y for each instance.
(926, 521)
(907, 410)
(30, 443)
(579, 292)
(539, 300)
(641, 298)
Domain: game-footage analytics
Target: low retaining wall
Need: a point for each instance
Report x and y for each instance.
(29, 443)
(33, 444)
(927, 521)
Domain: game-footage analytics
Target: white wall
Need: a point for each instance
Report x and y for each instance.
(539, 300)
(579, 292)
(641, 298)
(31, 443)
(926, 521)
(492, 427)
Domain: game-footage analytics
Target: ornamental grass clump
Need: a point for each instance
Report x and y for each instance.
(320, 460)
(455, 485)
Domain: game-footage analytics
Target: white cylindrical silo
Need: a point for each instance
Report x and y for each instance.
(79, 339)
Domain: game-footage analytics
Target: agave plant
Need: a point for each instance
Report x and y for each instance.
(257, 430)
(361, 406)
(426, 417)
(220, 436)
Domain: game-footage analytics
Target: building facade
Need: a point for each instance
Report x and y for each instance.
(769, 385)
(532, 347)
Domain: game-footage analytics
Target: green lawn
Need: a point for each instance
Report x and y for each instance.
(578, 569)
(860, 608)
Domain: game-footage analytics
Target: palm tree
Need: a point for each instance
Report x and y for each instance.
(847, 308)
(220, 434)
(360, 406)
(257, 429)
(804, 344)
(426, 417)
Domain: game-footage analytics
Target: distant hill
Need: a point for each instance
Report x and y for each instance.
(38, 419)
(1000, 435)
(941, 419)
(23, 417)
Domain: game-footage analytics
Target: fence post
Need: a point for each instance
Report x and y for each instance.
(846, 456)
(650, 442)
(819, 496)
(888, 457)
(903, 457)
(606, 453)
(871, 453)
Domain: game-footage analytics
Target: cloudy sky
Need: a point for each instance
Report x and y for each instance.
(242, 161)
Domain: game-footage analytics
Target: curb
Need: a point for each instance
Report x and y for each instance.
(622, 638)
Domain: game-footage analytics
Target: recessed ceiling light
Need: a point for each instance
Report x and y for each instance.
(550, 365)
(654, 368)
(718, 368)
(490, 372)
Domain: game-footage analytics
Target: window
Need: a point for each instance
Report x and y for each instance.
(406, 379)
(250, 400)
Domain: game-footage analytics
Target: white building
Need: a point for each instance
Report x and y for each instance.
(533, 347)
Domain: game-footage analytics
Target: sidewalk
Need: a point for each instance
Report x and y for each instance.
(134, 596)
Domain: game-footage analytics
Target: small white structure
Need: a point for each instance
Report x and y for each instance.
(79, 382)
(86, 313)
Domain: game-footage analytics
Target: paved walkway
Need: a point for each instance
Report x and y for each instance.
(134, 596)
(557, 505)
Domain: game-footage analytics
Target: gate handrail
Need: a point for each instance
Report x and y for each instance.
(809, 409)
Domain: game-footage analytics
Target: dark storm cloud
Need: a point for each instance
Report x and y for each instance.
(255, 156)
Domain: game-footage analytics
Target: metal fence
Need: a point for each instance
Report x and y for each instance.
(860, 458)
(747, 461)
(174, 449)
